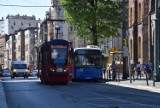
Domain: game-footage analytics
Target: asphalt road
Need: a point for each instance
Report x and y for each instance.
(30, 93)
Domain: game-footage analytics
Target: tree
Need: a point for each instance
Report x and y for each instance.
(93, 19)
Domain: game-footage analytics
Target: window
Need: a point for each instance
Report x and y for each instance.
(139, 13)
(14, 23)
(12, 27)
(26, 47)
(130, 17)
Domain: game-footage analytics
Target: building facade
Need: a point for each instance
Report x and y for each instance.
(138, 31)
(13, 23)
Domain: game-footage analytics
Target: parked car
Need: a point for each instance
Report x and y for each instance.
(34, 72)
(6, 73)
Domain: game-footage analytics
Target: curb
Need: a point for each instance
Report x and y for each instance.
(139, 87)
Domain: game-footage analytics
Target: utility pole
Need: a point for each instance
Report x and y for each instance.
(123, 37)
(57, 28)
(135, 33)
(156, 45)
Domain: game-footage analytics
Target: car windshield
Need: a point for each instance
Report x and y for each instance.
(5, 71)
(20, 66)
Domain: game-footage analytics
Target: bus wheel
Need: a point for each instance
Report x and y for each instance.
(26, 76)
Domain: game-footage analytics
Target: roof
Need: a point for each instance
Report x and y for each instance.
(19, 62)
(89, 47)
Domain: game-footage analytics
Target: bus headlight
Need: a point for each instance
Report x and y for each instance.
(14, 70)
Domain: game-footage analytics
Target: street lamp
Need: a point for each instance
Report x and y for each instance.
(156, 45)
(57, 28)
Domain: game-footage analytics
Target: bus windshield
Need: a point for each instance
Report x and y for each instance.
(59, 56)
(87, 60)
(20, 66)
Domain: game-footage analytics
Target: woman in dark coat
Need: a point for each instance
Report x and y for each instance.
(113, 66)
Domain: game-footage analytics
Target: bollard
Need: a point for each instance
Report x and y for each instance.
(109, 75)
(147, 78)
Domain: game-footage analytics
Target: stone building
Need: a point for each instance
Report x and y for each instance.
(13, 23)
(3, 40)
(138, 30)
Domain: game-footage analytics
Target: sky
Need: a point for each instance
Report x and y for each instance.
(38, 12)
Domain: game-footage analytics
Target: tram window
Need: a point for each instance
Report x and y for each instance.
(54, 54)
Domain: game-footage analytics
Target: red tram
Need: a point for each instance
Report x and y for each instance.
(55, 61)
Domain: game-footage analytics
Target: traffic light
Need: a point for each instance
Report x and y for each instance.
(125, 42)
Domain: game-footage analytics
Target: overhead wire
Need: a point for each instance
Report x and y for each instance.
(32, 2)
(12, 6)
(23, 5)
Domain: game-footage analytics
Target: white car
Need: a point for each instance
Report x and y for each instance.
(34, 73)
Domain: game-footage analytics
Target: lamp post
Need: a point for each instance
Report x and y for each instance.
(57, 28)
(123, 37)
(156, 45)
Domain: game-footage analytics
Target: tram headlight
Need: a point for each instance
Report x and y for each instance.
(51, 69)
(65, 70)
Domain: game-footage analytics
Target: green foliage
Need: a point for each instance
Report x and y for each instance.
(93, 19)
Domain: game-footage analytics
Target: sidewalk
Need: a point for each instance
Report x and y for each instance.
(3, 103)
(138, 84)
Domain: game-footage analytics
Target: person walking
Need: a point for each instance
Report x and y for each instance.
(149, 69)
(113, 66)
(138, 69)
(104, 67)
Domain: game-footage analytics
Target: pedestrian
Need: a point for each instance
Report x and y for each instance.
(113, 66)
(133, 71)
(109, 72)
(104, 67)
(149, 69)
(138, 69)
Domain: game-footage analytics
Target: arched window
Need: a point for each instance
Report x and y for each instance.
(139, 47)
(139, 13)
(130, 17)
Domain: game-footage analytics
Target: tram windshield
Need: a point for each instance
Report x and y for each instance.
(59, 55)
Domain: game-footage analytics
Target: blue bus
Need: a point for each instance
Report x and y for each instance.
(87, 63)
